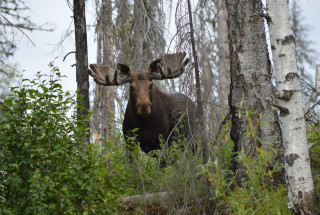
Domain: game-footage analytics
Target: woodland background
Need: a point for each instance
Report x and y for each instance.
(54, 175)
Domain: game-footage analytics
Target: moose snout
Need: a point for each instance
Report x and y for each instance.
(144, 107)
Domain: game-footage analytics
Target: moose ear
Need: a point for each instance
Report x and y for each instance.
(124, 69)
(169, 62)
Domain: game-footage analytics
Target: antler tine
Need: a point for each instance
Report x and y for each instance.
(170, 66)
(100, 74)
(163, 75)
(171, 75)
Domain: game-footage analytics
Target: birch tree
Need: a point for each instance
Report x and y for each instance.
(301, 196)
(251, 88)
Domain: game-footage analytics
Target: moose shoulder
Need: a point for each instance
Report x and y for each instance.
(152, 111)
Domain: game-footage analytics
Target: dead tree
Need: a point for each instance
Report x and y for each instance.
(82, 76)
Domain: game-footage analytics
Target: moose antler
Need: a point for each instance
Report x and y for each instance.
(100, 74)
(169, 66)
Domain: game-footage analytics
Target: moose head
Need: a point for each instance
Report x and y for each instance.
(168, 67)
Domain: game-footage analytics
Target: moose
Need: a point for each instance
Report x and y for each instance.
(151, 111)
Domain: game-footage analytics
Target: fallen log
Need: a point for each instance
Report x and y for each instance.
(149, 203)
(156, 204)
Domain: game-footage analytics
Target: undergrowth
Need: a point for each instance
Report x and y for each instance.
(46, 167)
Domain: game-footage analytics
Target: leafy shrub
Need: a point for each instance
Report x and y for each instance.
(46, 167)
(258, 193)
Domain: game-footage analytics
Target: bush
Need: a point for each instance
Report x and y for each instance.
(258, 192)
(46, 167)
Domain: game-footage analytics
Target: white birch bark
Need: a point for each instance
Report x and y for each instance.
(301, 197)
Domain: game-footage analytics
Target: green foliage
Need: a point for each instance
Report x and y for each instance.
(258, 193)
(222, 147)
(46, 165)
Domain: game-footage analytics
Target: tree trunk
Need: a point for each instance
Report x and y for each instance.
(104, 105)
(206, 63)
(223, 53)
(81, 56)
(302, 199)
(251, 89)
(124, 32)
(139, 34)
(210, 202)
(198, 87)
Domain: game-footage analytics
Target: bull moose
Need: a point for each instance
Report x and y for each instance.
(152, 111)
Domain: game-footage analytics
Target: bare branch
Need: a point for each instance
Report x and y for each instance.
(18, 29)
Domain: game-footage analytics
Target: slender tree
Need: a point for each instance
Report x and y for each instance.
(139, 35)
(206, 50)
(82, 76)
(251, 91)
(302, 199)
(104, 104)
(198, 87)
(205, 151)
(123, 32)
(223, 53)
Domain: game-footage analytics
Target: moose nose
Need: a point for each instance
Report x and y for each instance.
(144, 107)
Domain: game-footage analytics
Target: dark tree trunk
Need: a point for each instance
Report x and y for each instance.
(81, 57)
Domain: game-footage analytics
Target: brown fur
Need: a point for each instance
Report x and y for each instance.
(155, 113)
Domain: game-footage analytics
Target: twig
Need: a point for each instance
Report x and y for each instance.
(18, 29)
(5, 72)
(72, 52)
